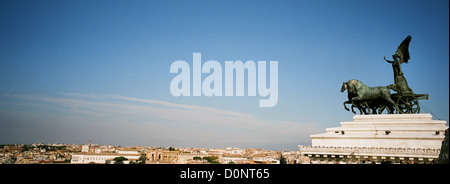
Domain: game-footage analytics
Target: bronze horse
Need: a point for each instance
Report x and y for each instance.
(370, 98)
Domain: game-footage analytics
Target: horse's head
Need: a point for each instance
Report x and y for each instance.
(344, 87)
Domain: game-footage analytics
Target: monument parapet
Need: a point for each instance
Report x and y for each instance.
(395, 137)
(385, 130)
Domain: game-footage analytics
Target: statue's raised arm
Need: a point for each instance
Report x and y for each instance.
(388, 60)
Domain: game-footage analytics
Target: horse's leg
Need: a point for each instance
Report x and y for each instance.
(374, 110)
(355, 98)
(360, 105)
(387, 97)
(395, 105)
(360, 109)
(353, 110)
(381, 109)
(346, 108)
(389, 110)
(367, 107)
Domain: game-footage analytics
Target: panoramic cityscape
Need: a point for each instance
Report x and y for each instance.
(90, 153)
(223, 82)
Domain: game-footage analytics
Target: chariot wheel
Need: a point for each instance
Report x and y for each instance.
(408, 105)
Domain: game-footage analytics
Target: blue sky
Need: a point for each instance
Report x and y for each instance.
(74, 70)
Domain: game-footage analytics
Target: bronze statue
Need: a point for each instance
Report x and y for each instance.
(401, 56)
(367, 98)
(373, 100)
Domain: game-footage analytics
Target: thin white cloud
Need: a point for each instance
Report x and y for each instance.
(179, 121)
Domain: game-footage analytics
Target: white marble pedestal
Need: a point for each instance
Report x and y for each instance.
(394, 137)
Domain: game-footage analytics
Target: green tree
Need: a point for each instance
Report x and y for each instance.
(142, 159)
(119, 160)
(212, 160)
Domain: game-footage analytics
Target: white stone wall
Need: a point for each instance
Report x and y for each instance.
(400, 137)
(386, 130)
(80, 158)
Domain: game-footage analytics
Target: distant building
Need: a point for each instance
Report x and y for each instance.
(13, 148)
(265, 159)
(188, 158)
(128, 151)
(100, 158)
(162, 155)
(87, 148)
(237, 159)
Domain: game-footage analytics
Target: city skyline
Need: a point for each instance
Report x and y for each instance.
(72, 70)
(39, 153)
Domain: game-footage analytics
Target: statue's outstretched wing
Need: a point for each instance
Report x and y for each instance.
(402, 50)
